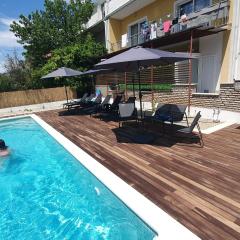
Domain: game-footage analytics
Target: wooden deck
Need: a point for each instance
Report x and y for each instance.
(200, 187)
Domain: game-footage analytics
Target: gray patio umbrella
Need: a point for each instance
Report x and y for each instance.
(63, 72)
(134, 58)
(96, 71)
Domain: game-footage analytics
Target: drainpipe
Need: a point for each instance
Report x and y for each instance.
(235, 69)
(190, 73)
(106, 26)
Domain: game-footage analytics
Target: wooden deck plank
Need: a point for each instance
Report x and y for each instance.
(199, 187)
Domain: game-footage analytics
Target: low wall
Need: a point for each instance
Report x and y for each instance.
(28, 97)
(227, 99)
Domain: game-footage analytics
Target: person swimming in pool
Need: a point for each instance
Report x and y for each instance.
(4, 151)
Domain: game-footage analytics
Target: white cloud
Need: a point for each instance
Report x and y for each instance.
(7, 21)
(8, 39)
(2, 68)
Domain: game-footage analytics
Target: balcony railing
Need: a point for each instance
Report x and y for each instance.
(214, 16)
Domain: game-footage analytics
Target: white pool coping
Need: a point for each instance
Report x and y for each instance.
(217, 127)
(166, 227)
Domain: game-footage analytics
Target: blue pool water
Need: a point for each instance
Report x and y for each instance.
(45, 193)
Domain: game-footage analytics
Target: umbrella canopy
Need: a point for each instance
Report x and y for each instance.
(133, 58)
(136, 57)
(63, 72)
(96, 71)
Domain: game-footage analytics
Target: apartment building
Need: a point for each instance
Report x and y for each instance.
(213, 26)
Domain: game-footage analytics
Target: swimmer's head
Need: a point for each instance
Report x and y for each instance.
(2, 145)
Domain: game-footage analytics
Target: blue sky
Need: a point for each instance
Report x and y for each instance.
(9, 11)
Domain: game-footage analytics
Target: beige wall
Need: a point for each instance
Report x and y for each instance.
(160, 9)
(155, 11)
(28, 97)
(114, 33)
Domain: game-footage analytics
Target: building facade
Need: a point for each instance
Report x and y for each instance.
(213, 26)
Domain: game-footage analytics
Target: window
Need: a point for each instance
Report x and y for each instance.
(136, 31)
(187, 7)
(200, 4)
(134, 34)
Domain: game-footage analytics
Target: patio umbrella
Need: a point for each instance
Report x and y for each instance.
(63, 72)
(134, 58)
(96, 71)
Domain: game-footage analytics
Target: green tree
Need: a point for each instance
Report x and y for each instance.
(80, 56)
(59, 25)
(17, 73)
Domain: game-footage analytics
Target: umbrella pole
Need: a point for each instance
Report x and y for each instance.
(140, 92)
(190, 74)
(125, 78)
(133, 87)
(107, 86)
(66, 92)
(93, 85)
(152, 87)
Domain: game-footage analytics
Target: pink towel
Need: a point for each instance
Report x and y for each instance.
(167, 26)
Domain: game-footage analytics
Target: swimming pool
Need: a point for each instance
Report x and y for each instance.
(47, 194)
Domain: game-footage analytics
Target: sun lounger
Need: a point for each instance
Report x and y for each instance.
(95, 101)
(189, 130)
(127, 111)
(75, 102)
(82, 103)
(114, 106)
(98, 108)
(111, 110)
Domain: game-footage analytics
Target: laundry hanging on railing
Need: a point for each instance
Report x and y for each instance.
(167, 26)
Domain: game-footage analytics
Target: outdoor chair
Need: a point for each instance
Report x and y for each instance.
(127, 112)
(168, 113)
(99, 107)
(171, 113)
(75, 102)
(189, 130)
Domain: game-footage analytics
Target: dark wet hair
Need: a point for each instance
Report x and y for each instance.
(2, 145)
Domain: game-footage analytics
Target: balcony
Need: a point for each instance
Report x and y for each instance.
(120, 9)
(98, 14)
(214, 17)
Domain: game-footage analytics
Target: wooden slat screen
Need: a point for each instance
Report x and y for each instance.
(170, 74)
